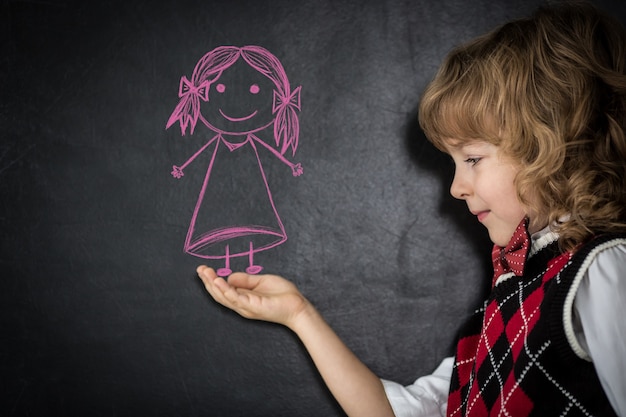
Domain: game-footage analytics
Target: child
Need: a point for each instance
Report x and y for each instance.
(534, 116)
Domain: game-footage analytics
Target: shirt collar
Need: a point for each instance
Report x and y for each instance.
(541, 239)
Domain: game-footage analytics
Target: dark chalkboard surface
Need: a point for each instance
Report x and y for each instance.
(102, 313)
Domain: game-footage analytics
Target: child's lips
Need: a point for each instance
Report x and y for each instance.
(481, 215)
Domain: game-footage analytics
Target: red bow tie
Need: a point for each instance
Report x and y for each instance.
(512, 257)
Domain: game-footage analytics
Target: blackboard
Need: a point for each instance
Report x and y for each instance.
(102, 313)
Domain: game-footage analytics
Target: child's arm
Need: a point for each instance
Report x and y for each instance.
(272, 298)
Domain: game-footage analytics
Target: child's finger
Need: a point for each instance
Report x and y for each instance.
(226, 294)
(206, 272)
(243, 280)
(214, 285)
(212, 281)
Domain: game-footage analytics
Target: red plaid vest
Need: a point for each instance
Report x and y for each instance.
(513, 358)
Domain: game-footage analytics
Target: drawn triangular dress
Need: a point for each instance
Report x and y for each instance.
(235, 214)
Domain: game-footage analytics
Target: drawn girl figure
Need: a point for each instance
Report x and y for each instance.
(237, 92)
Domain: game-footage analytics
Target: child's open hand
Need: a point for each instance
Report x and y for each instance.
(259, 297)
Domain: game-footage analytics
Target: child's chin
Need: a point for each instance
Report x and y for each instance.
(500, 239)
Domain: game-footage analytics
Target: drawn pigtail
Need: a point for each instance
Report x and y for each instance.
(286, 103)
(188, 108)
(287, 124)
(207, 70)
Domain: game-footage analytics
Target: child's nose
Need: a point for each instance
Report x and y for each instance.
(459, 187)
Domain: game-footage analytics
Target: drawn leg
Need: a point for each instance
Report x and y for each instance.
(253, 269)
(226, 271)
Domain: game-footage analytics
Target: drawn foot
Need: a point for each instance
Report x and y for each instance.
(224, 272)
(254, 269)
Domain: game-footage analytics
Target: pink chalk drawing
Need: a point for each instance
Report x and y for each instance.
(237, 93)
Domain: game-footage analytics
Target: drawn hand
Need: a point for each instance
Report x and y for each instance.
(259, 297)
(177, 172)
(297, 170)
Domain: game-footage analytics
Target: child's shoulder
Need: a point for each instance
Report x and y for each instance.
(606, 244)
(603, 257)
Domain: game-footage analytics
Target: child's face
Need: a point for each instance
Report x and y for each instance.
(484, 179)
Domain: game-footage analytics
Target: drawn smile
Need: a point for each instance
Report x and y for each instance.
(238, 119)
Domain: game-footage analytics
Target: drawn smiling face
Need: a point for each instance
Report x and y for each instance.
(240, 101)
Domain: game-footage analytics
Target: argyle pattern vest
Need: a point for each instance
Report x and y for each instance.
(513, 357)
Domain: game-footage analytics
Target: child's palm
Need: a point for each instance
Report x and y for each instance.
(265, 297)
(259, 297)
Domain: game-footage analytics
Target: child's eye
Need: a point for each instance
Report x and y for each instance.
(472, 161)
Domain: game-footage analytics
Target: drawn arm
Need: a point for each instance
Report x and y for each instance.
(296, 169)
(177, 171)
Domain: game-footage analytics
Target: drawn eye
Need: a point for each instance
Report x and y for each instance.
(220, 88)
(254, 89)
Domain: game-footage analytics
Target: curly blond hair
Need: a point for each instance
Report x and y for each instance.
(550, 91)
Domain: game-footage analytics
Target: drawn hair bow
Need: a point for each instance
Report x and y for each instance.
(281, 101)
(188, 109)
(187, 88)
